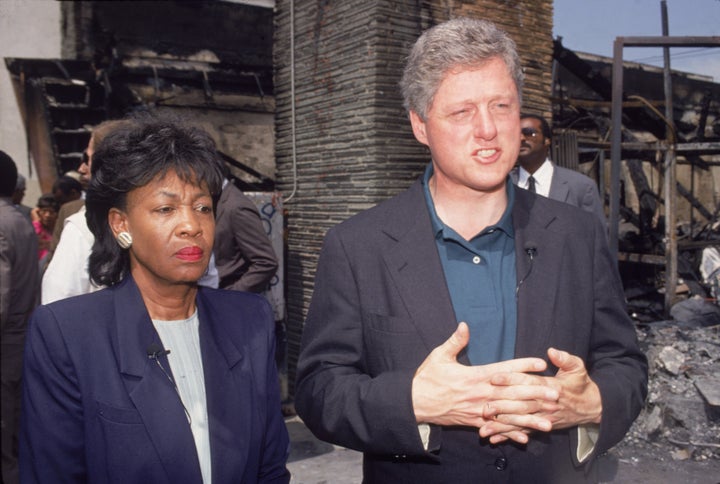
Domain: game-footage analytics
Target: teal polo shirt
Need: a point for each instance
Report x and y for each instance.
(480, 275)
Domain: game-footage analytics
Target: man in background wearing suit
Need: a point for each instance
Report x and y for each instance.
(540, 175)
(19, 291)
(467, 330)
(18, 196)
(243, 252)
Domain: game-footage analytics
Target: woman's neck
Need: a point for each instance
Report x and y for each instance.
(172, 302)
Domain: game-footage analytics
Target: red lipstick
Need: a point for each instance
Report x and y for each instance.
(191, 254)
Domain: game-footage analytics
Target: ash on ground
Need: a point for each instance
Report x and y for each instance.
(681, 418)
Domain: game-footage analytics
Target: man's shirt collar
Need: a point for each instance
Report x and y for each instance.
(440, 228)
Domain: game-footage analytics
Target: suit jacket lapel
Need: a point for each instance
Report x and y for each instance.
(150, 390)
(559, 189)
(412, 256)
(225, 369)
(537, 294)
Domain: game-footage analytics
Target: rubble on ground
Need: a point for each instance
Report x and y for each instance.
(681, 418)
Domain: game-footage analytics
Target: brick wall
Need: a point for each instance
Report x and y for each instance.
(354, 146)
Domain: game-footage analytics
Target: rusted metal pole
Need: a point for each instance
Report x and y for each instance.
(615, 145)
(671, 278)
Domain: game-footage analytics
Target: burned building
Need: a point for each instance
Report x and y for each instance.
(582, 114)
(209, 63)
(185, 57)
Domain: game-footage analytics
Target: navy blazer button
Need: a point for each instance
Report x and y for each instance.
(501, 463)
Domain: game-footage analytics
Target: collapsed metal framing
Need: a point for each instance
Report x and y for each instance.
(670, 146)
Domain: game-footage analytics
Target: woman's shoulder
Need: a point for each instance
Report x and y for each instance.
(239, 308)
(80, 309)
(81, 302)
(76, 322)
(231, 297)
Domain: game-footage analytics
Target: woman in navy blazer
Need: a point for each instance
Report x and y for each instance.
(154, 379)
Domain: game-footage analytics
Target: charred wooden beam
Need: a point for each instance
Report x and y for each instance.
(688, 195)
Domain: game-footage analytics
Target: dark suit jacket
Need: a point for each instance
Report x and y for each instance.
(97, 409)
(244, 256)
(19, 273)
(381, 305)
(19, 294)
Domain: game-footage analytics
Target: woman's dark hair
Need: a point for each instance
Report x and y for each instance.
(129, 157)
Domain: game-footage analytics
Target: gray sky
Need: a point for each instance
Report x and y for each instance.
(592, 26)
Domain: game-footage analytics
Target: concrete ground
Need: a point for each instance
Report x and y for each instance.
(315, 462)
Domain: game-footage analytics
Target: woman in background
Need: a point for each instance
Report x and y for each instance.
(154, 379)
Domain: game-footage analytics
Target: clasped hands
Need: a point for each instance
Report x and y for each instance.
(506, 400)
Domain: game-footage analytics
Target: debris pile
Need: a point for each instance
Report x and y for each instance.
(681, 418)
(698, 277)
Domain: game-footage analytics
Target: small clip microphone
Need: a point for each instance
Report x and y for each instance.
(530, 249)
(154, 352)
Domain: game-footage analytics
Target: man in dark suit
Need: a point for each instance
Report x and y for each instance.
(244, 256)
(543, 373)
(537, 173)
(19, 291)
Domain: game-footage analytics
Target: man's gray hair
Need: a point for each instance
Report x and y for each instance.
(20, 184)
(460, 42)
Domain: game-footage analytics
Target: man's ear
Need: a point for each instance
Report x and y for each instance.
(117, 221)
(418, 127)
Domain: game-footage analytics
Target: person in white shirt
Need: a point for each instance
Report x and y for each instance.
(67, 273)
